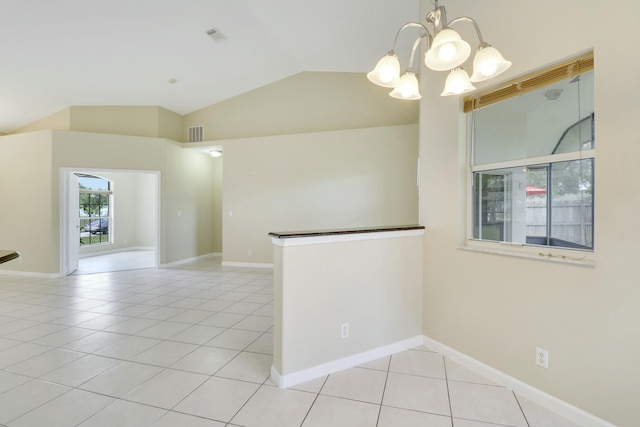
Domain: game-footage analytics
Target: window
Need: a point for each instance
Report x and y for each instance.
(95, 209)
(533, 159)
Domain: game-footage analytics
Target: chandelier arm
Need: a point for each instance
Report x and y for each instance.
(416, 43)
(475, 25)
(413, 25)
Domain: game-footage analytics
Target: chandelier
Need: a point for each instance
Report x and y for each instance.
(446, 51)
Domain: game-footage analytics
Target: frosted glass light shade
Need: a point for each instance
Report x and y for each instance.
(457, 82)
(407, 88)
(488, 63)
(386, 72)
(448, 51)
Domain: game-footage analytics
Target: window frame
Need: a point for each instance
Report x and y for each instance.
(109, 218)
(577, 66)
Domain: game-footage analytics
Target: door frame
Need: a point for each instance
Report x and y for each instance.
(66, 210)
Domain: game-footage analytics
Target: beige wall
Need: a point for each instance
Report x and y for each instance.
(26, 213)
(372, 282)
(31, 191)
(306, 102)
(171, 125)
(146, 196)
(354, 178)
(134, 121)
(347, 178)
(497, 309)
(150, 121)
(188, 208)
(186, 184)
(60, 120)
(217, 201)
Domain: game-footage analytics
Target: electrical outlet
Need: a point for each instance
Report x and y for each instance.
(249, 252)
(542, 357)
(344, 330)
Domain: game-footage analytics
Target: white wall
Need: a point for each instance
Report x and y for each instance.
(497, 309)
(354, 178)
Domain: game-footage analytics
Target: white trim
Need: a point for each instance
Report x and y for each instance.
(246, 264)
(349, 237)
(546, 400)
(188, 260)
(115, 251)
(537, 253)
(530, 161)
(308, 374)
(63, 210)
(31, 274)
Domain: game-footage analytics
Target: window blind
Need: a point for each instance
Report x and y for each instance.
(532, 81)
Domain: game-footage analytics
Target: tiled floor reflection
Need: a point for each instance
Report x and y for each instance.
(192, 346)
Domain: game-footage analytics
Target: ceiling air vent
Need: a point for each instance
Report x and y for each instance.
(196, 134)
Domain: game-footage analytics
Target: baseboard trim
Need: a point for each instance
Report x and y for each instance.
(246, 264)
(298, 377)
(188, 260)
(116, 251)
(57, 275)
(31, 274)
(546, 400)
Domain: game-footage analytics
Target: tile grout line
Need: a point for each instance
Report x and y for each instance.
(315, 399)
(163, 368)
(181, 282)
(521, 410)
(43, 403)
(384, 388)
(446, 378)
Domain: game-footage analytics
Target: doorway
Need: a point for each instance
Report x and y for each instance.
(130, 206)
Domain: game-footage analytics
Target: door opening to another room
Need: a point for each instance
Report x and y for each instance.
(112, 221)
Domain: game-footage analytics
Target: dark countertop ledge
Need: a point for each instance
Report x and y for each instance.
(8, 255)
(342, 231)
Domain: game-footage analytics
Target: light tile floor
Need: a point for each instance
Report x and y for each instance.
(128, 260)
(192, 346)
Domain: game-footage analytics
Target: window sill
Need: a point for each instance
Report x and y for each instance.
(538, 253)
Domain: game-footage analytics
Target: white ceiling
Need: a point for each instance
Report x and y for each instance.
(59, 53)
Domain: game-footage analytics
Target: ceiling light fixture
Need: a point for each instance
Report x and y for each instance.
(446, 50)
(216, 35)
(215, 153)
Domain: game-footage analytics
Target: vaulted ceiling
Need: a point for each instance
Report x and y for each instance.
(58, 53)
